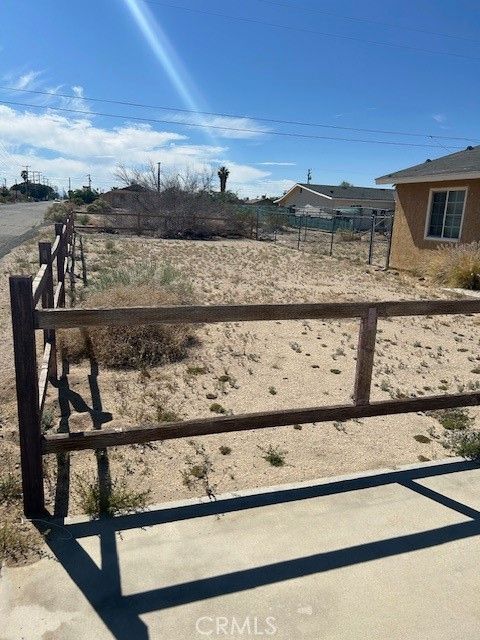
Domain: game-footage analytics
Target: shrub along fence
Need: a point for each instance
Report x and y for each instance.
(31, 385)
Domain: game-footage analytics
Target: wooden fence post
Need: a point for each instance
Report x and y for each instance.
(61, 262)
(82, 258)
(365, 356)
(26, 375)
(48, 297)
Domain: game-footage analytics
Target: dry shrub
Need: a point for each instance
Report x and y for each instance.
(129, 346)
(457, 266)
(120, 498)
(348, 235)
(133, 346)
(58, 211)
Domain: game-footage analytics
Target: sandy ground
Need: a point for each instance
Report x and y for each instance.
(256, 366)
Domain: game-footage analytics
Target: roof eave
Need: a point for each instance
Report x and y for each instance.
(393, 179)
(302, 186)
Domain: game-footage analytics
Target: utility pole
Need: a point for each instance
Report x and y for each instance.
(158, 175)
(309, 176)
(69, 185)
(89, 182)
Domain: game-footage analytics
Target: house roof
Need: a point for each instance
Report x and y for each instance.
(348, 193)
(455, 166)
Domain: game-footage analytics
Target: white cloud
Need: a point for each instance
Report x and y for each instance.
(77, 103)
(78, 137)
(63, 147)
(439, 117)
(277, 164)
(26, 80)
(223, 126)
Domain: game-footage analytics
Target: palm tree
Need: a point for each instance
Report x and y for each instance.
(223, 174)
(24, 175)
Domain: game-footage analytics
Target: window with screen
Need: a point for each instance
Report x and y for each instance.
(446, 213)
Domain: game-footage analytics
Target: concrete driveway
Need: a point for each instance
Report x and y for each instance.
(18, 223)
(388, 555)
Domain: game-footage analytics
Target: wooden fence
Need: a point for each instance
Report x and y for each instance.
(48, 287)
(31, 386)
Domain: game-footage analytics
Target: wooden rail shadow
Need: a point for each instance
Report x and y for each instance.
(122, 613)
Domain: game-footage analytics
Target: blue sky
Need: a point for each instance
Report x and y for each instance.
(319, 66)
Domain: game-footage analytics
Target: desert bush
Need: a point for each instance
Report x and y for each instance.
(10, 488)
(83, 218)
(348, 235)
(132, 346)
(275, 456)
(118, 499)
(187, 206)
(15, 543)
(465, 443)
(163, 276)
(58, 211)
(457, 266)
(99, 207)
(453, 419)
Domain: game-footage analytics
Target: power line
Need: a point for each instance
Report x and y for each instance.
(211, 126)
(236, 116)
(314, 32)
(296, 7)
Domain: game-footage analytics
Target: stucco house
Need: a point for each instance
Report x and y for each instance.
(437, 203)
(313, 196)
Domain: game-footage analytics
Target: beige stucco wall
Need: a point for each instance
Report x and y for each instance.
(410, 251)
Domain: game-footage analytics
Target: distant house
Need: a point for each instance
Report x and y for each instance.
(126, 197)
(264, 201)
(304, 196)
(438, 203)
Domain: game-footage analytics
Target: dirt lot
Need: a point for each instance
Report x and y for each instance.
(251, 367)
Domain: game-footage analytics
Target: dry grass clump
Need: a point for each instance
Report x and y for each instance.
(457, 266)
(348, 235)
(133, 346)
(119, 498)
(99, 207)
(19, 540)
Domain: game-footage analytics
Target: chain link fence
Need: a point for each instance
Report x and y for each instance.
(357, 233)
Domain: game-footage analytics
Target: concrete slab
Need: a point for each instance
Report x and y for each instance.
(391, 554)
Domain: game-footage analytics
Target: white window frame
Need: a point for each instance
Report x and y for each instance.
(429, 213)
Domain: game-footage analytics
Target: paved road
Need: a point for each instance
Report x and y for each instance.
(18, 221)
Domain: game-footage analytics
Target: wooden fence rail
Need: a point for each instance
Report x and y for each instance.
(32, 385)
